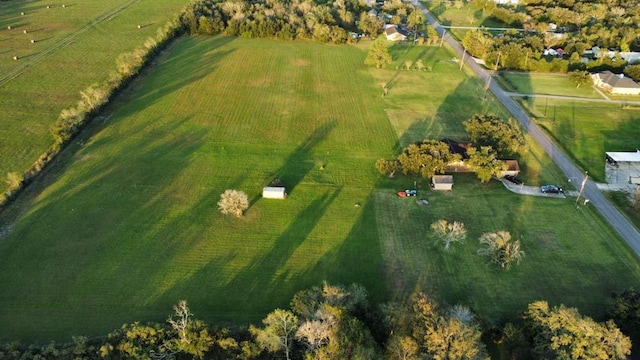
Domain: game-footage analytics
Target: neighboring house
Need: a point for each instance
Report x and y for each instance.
(615, 84)
(274, 192)
(623, 167)
(373, 13)
(393, 33)
(507, 2)
(442, 182)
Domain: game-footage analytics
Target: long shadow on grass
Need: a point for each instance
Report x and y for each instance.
(299, 163)
(87, 238)
(268, 277)
(197, 57)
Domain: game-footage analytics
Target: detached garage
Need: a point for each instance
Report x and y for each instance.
(272, 192)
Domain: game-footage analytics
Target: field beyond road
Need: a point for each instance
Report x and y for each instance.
(125, 224)
(73, 47)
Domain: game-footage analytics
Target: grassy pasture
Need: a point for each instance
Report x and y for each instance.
(588, 130)
(125, 224)
(545, 84)
(74, 47)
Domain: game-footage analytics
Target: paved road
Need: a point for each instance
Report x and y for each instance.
(591, 191)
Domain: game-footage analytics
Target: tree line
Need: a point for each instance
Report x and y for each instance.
(338, 322)
(329, 22)
(581, 25)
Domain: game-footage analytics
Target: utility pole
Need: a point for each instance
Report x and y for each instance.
(584, 182)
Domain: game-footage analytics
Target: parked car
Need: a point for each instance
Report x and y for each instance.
(552, 189)
(513, 179)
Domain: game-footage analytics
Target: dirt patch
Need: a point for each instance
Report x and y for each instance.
(300, 62)
(545, 239)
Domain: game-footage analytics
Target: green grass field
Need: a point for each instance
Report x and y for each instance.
(74, 47)
(545, 84)
(588, 130)
(125, 224)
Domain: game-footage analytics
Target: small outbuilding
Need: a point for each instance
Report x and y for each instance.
(442, 182)
(615, 84)
(274, 192)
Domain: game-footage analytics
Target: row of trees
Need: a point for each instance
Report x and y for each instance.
(581, 26)
(298, 19)
(491, 138)
(338, 322)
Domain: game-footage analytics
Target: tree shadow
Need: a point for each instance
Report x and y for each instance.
(300, 161)
(195, 56)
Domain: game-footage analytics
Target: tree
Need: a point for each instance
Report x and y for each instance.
(477, 43)
(633, 71)
(432, 35)
(441, 335)
(580, 77)
(370, 25)
(402, 348)
(388, 167)
(624, 309)
(378, 54)
(488, 130)
(501, 249)
(485, 162)
(426, 158)
(193, 336)
(562, 333)
(448, 233)
(233, 202)
(278, 333)
(416, 19)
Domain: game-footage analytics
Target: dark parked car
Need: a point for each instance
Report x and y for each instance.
(551, 189)
(513, 179)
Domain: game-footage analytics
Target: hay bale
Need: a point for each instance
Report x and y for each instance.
(15, 58)
(139, 27)
(33, 41)
(9, 27)
(48, 7)
(24, 31)
(64, 6)
(21, 13)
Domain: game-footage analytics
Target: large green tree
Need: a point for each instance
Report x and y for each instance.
(489, 130)
(580, 77)
(278, 332)
(562, 333)
(378, 54)
(485, 162)
(477, 43)
(426, 158)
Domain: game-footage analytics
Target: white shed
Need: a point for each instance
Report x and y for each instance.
(442, 182)
(273, 192)
(623, 167)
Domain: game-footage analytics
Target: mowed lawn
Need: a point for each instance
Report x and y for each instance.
(126, 223)
(544, 84)
(130, 226)
(75, 47)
